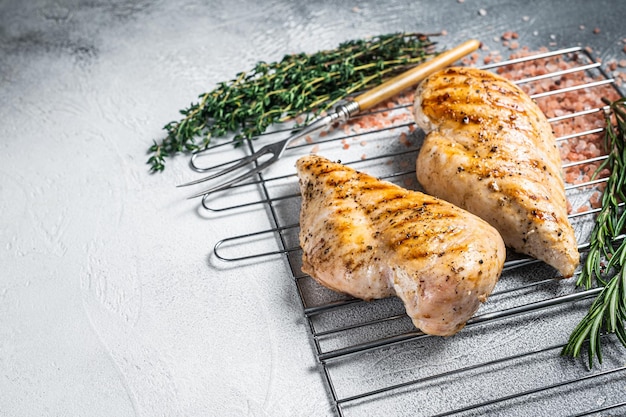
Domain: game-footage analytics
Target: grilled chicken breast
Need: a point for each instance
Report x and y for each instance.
(490, 150)
(373, 239)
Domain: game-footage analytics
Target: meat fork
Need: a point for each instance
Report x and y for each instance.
(341, 113)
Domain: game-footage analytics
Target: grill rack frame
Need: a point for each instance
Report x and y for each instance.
(326, 357)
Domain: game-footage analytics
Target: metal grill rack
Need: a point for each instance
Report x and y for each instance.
(507, 360)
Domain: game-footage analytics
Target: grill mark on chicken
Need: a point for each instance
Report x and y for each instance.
(372, 239)
(490, 150)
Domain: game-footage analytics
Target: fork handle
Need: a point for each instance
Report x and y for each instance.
(413, 76)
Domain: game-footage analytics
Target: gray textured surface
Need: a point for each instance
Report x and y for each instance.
(110, 303)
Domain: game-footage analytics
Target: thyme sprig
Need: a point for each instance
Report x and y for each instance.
(605, 265)
(279, 91)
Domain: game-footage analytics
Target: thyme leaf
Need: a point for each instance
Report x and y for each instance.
(605, 265)
(279, 91)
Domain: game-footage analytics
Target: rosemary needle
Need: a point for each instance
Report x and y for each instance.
(605, 265)
(298, 84)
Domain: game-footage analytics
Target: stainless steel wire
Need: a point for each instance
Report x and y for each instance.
(333, 319)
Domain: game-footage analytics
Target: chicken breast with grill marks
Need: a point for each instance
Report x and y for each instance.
(373, 239)
(490, 150)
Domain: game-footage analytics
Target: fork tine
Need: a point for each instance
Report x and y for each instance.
(200, 153)
(229, 183)
(242, 162)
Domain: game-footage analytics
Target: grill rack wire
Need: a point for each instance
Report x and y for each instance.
(369, 354)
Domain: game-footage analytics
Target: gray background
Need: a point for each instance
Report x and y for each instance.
(110, 301)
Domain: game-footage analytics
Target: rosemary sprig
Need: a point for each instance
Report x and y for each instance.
(605, 265)
(298, 84)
